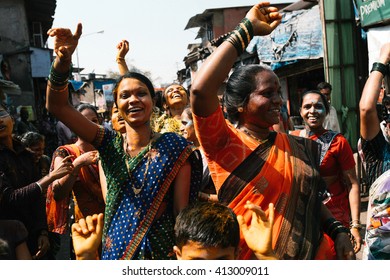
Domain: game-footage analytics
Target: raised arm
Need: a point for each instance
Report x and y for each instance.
(57, 102)
(261, 20)
(123, 49)
(369, 122)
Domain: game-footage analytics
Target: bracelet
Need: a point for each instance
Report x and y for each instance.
(380, 67)
(328, 223)
(357, 226)
(60, 90)
(57, 78)
(118, 59)
(332, 227)
(241, 36)
(39, 185)
(338, 230)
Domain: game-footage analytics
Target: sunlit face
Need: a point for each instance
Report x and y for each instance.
(6, 124)
(118, 123)
(175, 94)
(263, 108)
(313, 110)
(90, 115)
(195, 251)
(134, 102)
(187, 127)
(38, 150)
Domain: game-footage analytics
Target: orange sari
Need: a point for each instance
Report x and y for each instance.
(87, 195)
(289, 178)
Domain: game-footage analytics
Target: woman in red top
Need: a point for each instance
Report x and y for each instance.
(337, 163)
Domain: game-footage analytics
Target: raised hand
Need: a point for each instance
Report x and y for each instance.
(65, 42)
(86, 236)
(258, 235)
(66, 167)
(123, 48)
(264, 18)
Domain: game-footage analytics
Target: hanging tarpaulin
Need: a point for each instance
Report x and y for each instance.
(299, 36)
(373, 12)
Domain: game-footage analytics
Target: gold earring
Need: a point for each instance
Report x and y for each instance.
(240, 109)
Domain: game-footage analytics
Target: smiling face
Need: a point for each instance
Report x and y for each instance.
(134, 101)
(6, 124)
(263, 107)
(118, 123)
(313, 111)
(175, 95)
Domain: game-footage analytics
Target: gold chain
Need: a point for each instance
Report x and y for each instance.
(261, 141)
(128, 157)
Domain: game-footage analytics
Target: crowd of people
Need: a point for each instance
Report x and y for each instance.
(201, 177)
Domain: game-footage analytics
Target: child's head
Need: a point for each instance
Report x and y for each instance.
(206, 231)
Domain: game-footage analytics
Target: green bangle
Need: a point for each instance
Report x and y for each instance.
(380, 67)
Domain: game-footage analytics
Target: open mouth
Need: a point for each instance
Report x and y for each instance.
(134, 110)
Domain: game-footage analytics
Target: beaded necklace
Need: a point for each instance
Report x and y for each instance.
(129, 157)
(261, 141)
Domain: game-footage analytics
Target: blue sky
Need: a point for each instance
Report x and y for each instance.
(155, 30)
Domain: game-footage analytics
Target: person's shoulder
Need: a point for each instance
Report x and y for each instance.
(174, 138)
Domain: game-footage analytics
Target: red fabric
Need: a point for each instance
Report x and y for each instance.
(338, 158)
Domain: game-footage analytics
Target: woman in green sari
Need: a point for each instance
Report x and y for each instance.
(150, 176)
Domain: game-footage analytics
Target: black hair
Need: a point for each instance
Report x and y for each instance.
(241, 83)
(31, 138)
(324, 85)
(133, 75)
(323, 98)
(84, 106)
(211, 224)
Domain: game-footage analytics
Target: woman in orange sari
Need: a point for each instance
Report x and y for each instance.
(249, 162)
(81, 189)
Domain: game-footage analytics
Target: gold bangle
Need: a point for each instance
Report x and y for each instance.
(240, 38)
(119, 59)
(59, 90)
(246, 32)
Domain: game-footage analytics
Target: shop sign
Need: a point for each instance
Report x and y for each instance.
(372, 12)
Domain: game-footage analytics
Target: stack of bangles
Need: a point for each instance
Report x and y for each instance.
(332, 227)
(355, 224)
(241, 36)
(58, 80)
